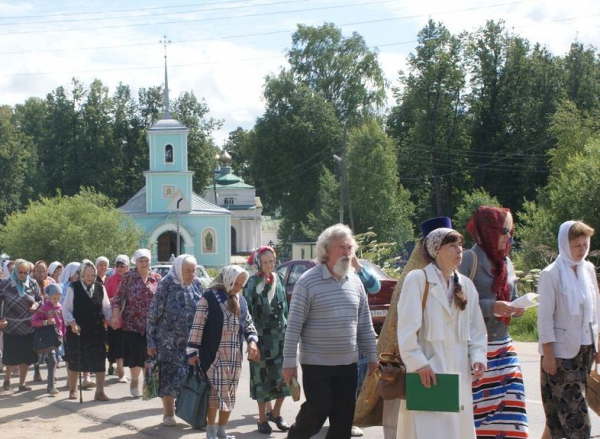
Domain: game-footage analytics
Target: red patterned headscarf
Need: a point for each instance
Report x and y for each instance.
(485, 227)
(256, 262)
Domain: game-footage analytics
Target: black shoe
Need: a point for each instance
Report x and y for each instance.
(111, 370)
(264, 428)
(279, 421)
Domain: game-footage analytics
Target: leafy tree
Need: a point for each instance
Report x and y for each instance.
(326, 212)
(70, 228)
(341, 69)
(292, 144)
(17, 162)
(379, 203)
(429, 122)
(239, 144)
(582, 77)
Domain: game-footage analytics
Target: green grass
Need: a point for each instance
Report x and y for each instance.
(524, 328)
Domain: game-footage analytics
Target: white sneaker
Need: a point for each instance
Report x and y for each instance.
(88, 384)
(356, 431)
(53, 392)
(169, 421)
(123, 379)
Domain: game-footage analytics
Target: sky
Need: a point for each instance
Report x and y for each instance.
(223, 50)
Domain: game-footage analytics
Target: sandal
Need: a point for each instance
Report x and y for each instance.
(279, 421)
(6, 385)
(73, 394)
(101, 396)
(24, 388)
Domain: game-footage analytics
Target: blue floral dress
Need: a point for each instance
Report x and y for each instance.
(168, 325)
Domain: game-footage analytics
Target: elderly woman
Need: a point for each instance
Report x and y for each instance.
(500, 395)
(446, 334)
(102, 267)
(20, 297)
(115, 336)
(168, 328)
(221, 323)
(568, 316)
(84, 311)
(130, 312)
(267, 304)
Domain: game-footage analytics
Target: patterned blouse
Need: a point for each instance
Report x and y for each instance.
(16, 306)
(139, 296)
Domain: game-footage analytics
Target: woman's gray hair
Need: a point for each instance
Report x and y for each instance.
(329, 235)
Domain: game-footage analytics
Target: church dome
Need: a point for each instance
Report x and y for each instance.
(228, 179)
(167, 124)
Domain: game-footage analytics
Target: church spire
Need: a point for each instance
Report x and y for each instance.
(167, 112)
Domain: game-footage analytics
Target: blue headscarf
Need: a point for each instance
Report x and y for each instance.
(20, 284)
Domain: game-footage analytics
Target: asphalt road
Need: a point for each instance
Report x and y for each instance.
(125, 417)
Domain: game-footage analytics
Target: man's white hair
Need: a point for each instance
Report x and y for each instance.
(329, 235)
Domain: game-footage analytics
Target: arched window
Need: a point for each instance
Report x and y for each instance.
(169, 154)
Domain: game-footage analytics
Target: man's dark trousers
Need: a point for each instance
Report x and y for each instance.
(330, 392)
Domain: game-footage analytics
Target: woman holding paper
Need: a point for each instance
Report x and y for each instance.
(498, 398)
(446, 334)
(568, 332)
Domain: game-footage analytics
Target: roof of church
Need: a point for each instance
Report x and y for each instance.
(167, 124)
(137, 205)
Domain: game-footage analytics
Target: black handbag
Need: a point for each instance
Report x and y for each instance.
(192, 401)
(46, 339)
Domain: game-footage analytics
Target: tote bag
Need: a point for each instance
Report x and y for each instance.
(192, 401)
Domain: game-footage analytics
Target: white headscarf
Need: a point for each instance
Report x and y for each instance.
(5, 272)
(177, 267)
(141, 253)
(69, 270)
(577, 289)
(227, 277)
(53, 266)
(102, 259)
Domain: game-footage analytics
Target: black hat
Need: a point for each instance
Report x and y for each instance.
(430, 225)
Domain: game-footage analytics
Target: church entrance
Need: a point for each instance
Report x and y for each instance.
(167, 246)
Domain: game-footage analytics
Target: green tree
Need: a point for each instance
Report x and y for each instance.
(238, 145)
(69, 228)
(17, 162)
(379, 203)
(344, 70)
(429, 122)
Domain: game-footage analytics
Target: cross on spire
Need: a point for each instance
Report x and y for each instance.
(167, 112)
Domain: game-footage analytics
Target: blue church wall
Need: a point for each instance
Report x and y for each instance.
(162, 187)
(191, 229)
(158, 143)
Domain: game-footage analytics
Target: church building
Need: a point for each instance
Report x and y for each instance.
(167, 208)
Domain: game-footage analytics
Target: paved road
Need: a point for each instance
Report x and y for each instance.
(124, 417)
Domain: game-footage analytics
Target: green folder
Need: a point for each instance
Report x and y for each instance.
(443, 397)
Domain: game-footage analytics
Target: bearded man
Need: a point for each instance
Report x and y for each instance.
(329, 317)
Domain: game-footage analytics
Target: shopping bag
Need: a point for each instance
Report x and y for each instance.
(150, 389)
(592, 393)
(192, 401)
(46, 339)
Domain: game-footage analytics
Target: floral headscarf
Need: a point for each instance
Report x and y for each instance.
(433, 241)
(485, 227)
(20, 284)
(225, 281)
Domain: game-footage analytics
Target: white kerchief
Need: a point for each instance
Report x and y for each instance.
(433, 241)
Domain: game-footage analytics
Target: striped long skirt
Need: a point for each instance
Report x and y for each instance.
(499, 396)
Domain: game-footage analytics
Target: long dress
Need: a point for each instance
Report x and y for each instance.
(270, 320)
(445, 338)
(499, 396)
(217, 335)
(170, 319)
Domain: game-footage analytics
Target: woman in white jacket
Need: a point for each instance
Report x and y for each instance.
(449, 336)
(568, 332)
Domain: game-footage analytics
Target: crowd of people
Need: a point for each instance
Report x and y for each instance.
(451, 316)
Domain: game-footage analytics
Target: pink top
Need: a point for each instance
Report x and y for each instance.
(112, 284)
(48, 311)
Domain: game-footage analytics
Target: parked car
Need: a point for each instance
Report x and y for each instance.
(200, 272)
(378, 303)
